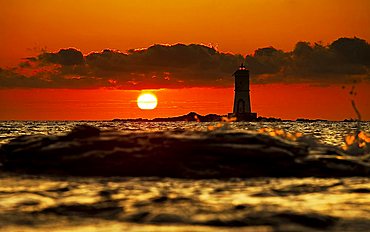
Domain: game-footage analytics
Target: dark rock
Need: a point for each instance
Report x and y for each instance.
(195, 117)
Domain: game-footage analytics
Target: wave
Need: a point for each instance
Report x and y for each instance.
(216, 153)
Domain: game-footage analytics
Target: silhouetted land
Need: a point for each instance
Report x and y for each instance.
(195, 117)
(190, 117)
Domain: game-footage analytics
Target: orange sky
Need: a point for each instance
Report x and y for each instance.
(236, 26)
(275, 100)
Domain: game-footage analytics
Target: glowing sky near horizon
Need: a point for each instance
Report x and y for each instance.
(301, 101)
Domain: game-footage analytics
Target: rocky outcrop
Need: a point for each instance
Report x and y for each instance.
(190, 117)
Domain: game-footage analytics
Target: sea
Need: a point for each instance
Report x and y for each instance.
(184, 176)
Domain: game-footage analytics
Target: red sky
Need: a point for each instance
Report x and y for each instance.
(236, 26)
(300, 101)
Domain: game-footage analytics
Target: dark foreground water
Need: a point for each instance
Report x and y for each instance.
(186, 177)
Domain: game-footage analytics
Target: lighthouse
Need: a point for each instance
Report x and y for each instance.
(242, 104)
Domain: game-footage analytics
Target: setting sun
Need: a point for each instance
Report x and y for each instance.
(186, 115)
(147, 101)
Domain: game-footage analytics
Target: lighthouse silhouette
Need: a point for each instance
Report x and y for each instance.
(242, 104)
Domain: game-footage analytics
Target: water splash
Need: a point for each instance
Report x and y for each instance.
(358, 142)
(223, 125)
(275, 132)
(355, 143)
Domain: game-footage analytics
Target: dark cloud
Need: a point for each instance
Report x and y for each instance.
(179, 65)
(267, 61)
(355, 51)
(345, 60)
(66, 57)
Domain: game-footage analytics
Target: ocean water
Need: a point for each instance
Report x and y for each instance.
(326, 132)
(95, 192)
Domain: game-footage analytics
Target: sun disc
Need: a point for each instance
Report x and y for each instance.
(147, 101)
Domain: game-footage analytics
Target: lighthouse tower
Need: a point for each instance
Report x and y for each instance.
(242, 103)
